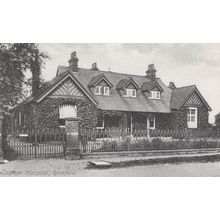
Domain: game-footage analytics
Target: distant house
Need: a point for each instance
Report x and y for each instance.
(105, 99)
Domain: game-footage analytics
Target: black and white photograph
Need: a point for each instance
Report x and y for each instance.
(110, 109)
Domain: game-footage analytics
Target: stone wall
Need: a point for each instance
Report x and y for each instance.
(179, 118)
(203, 117)
(46, 113)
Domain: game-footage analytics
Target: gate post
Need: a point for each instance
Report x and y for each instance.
(1, 138)
(72, 138)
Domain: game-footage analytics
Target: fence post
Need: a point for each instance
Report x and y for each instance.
(148, 128)
(72, 138)
(218, 136)
(35, 144)
(1, 138)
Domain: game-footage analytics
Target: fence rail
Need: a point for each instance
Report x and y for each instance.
(35, 144)
(116, 140)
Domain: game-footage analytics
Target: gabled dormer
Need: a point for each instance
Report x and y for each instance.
(128, 87)
(100, 85)
(152, 89)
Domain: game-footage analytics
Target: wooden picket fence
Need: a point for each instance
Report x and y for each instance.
(117, 140)
(35, 144)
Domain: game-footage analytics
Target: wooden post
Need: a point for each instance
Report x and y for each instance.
(72, 138)
(35, 144)
(148, 128)
(1, 138)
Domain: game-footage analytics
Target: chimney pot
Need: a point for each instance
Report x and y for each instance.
(151, 72)
(73, 62)
(94, 67)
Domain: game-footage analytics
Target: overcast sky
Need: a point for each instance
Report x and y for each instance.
(184, 64)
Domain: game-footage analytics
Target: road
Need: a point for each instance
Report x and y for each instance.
(210, 169)
(62, 167)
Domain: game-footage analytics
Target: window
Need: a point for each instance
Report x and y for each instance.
(98, 90)
(130, 93)
(192, 117)
(152, 122)
(100, 122)
(106, 90)
(66, 111)
(154, 95)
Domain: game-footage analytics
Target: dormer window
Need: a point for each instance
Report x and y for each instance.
(154, 95)
(102, 90)
(100, 85)
(130, 93)
(106, 90)
(98, 90)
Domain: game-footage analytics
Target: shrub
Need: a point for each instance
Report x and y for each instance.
(9, 152)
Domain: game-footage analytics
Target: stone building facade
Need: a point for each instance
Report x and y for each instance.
(106, 100)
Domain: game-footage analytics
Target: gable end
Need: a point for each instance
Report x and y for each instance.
(193, 100)
(72, 90)
(67, 88)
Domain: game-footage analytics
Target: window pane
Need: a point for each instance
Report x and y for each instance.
(151, 123)
(158, 95)
(99, 121)
(134, 93)
(188, 118)
(192, 118)
(126, 92)
(193, 111)
(67, 111)
(106, 90)
(98, 90)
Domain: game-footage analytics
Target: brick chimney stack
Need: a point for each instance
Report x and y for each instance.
(151, 72)
(73, 62)
(94, 67)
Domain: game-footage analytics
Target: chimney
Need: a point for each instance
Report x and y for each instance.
(73, 62)
(151, 72)
(94, 67)
(172, 85)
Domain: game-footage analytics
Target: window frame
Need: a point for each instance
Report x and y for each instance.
(62, 114)
(129, 93)
(155, 94)
(103, 124)
(100, 90)
(104, 91)
(154, 121)
(190, 123)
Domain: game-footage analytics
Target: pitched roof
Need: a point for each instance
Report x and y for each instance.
(125, 82)
(118, 103)
(180, 96)
(170, 98)
(147, 86)
(97, 79)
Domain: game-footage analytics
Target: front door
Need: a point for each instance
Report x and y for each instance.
(192, 117)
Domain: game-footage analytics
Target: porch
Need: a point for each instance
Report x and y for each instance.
(131, 121)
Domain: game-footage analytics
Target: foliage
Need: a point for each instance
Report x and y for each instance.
(15, 60)
(155, 144)
(217, 120)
